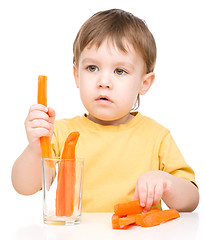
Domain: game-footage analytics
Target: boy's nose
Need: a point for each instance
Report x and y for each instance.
(104, 82)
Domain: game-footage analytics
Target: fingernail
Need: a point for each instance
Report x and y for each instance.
(142, 204)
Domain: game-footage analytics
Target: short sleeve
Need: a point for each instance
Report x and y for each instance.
(172, 161)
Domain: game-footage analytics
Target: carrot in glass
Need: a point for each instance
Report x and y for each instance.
(132, 207)
(42, 99)
(159, 217)
(65, 193)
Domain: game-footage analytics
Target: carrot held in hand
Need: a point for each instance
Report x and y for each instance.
(159, 217)
(65, 193)
(132, 207)
(42, 99)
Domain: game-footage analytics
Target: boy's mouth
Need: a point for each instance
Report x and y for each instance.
(103, 98)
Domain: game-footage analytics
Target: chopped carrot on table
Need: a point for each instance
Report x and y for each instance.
(159, 217)
(130, 213)
(135, 218)
(132, 207)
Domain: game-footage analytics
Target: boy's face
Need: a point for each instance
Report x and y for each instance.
(109, 81)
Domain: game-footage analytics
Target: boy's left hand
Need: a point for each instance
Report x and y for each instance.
(150, 188)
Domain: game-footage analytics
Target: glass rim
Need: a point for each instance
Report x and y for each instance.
(57, 159)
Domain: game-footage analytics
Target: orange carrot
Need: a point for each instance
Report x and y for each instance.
(115, 221)
(129, 219)
(140, 218)
(159, 217)
(42, 99)
(65, 192)
(132, 207)
(135, 218)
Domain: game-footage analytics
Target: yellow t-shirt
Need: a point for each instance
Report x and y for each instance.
(115, 156)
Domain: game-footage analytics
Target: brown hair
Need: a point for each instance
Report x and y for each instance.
(117, 25)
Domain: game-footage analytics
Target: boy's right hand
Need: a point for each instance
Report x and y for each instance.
(39, 123)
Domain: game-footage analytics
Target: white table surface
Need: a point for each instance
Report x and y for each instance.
(98, 226)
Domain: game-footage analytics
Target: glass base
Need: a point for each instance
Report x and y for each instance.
(62, 221)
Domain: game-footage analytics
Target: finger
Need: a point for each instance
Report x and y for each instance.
(39, 123)
(142, 191)
(40, 132)
(51, 114)
(36, 114)
(136, 195)
(158, 192)
(150, 196)
(39, 107)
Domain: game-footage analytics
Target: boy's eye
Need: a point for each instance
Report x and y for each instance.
(92, 68)
(120, 71)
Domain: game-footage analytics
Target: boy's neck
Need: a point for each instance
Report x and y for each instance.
(125, 119)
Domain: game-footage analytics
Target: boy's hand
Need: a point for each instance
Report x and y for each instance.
(39, 123)
(150, 188)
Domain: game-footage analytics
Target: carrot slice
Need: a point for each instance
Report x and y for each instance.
(115, 221)
(65, 192)
(135, 218)
(159, 217)
(129, 219)
(132, 207)
(42, 99)
(141, 216)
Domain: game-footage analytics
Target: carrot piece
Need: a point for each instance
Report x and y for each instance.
(138, 219)
(135, 218)
(129, 219)
(115, 221)
(42, 99)
(65, 192)
(141, 216)
(132, 207)
(159, 217)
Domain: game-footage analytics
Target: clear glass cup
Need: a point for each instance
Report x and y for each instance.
(62, 190)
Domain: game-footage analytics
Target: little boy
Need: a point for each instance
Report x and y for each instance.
(127, 155)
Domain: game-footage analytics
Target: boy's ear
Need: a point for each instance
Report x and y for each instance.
(76, 75)
(147, 82)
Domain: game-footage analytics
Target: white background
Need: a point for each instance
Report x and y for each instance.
(37, 37)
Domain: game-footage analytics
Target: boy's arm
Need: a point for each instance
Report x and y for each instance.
(27, 170)
(183, 195)
(176, 192)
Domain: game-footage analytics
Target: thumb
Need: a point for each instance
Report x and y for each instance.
(167, 186)
(52, 114)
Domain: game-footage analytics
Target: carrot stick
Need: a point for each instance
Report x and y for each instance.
(159, 217)
(132, 207)
(65, 192)
(42, 99)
